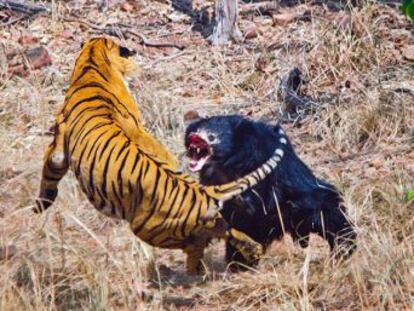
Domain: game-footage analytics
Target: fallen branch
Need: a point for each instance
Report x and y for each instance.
(21, 7)
(121, 29)
(262, 8)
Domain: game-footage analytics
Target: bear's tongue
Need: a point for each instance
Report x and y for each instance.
(196, 164)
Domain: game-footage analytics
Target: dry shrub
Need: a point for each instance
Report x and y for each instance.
(386, 117)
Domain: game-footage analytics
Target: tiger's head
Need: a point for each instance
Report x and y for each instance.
(106, 52)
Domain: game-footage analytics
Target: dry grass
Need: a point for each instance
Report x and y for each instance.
(361, 139)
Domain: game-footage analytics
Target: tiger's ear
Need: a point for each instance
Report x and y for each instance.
(82, 44)
(125, 52)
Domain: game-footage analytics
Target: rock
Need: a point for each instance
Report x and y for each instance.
(38, 57)
(33, 58)
(408, 52)
(67, 34)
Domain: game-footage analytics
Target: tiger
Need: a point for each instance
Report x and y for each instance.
(128, 174)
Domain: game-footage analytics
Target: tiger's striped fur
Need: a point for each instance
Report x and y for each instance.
(125, 172)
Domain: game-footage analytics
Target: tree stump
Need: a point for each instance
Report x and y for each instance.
(226, 28)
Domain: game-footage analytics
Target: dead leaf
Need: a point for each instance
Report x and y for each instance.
(187, 93)
(262, 62)
(7, 252)
(400, 37)
(18, 70)
(408, 52)
(216, 98)
(127, 7)
(27, 39)
(8, 173)
(251, 31)
(377, 163)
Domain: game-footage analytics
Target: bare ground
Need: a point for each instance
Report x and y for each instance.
(359, 69)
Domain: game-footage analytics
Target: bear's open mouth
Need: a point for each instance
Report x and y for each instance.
(199, 152)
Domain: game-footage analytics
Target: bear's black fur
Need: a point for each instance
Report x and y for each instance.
(307, 204)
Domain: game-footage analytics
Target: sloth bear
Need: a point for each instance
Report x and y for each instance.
(291, 200)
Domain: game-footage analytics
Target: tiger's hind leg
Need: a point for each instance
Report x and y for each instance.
(55, 167)
(194, 255)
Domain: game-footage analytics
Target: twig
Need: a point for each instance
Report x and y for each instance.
(399, 87)
(12, 21)
(167, 58)
(111, 30)
(28, 10)
(116, 29)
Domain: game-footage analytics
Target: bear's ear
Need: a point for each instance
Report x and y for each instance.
(192, 116)
(125, 52)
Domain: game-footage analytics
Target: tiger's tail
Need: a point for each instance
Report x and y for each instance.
(54, 168)
(230, 190)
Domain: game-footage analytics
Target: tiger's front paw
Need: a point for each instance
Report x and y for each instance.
(252, 252)
(210, 218)
(248, 248)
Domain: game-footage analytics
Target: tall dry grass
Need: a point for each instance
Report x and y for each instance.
(360, 137)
